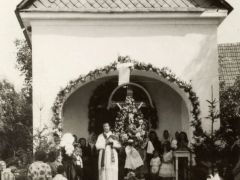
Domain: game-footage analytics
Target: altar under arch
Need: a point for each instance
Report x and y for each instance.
(173, 103)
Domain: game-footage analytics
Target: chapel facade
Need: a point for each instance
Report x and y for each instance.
(171, 46)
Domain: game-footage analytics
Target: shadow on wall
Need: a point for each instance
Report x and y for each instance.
(203, 72)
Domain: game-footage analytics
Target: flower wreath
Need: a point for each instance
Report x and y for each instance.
(93, 75)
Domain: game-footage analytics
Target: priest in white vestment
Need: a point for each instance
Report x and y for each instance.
(108, 158)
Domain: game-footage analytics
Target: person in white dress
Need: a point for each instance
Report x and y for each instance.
(174, 142)
(107, 144)
(133, 158)
(60, 173)
(155, 165)
(166, 171)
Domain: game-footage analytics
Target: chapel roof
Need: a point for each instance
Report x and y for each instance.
(122, 5)
(229, 63)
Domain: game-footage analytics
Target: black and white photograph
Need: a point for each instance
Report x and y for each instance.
(120, 90)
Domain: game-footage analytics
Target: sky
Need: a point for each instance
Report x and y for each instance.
(228, 32)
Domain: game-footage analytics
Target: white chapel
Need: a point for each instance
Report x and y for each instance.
(169, 47)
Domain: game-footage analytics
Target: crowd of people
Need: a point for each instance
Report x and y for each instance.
(52, 165)
(83, 165)
(105, 157)
(159, 154)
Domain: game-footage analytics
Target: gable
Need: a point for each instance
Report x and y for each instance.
(122, 5)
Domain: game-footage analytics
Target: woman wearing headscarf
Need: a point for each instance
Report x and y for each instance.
(153, 144)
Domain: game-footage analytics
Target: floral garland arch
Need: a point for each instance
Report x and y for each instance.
(93, 75)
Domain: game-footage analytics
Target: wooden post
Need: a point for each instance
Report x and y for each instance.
(212, 119)
(212, 158)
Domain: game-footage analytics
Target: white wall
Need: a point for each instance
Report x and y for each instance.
(172, 111)
(62, 50)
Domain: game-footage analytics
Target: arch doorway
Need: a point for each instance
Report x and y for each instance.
(171, 106)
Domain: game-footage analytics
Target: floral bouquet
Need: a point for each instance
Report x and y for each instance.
(67, 143)
(130, 123)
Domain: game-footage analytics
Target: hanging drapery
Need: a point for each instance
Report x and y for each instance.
(124, 72)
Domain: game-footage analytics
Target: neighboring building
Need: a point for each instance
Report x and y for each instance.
(229, 63)
(73, 37)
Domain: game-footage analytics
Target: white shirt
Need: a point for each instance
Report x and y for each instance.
(155, 161)
(150, 148)
(59, 177)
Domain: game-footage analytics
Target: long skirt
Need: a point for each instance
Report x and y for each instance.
(167, 170)
(70, 170)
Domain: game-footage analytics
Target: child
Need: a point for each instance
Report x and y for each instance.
(133, 159)
(60, 173)
(155, 164)
(166, 171)
(215, 175)
(7, 173)
(77, 154)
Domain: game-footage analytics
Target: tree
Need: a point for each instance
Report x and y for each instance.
(24, 64)
(15, 130)
(211, 139)
(206, 147)
(230, 118)
(230, 110)
(216, 146)
(16, 108)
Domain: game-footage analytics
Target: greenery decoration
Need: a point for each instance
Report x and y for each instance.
(131, 124)
(98, 112)
(93, 75)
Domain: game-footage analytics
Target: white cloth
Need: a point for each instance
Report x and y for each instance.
(59, 177)
(110, 169)
(174, 144)
(150, 147)
(133, 159)
(155, 164)
(124, 73)
(79, 161)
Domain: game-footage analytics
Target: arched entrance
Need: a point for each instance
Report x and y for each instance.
(175, 100)
(81, 118)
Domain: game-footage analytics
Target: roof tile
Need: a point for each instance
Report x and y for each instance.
(229, 63)
(116, 5)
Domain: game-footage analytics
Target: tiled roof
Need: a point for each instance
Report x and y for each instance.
(229, 63)
(121, 5)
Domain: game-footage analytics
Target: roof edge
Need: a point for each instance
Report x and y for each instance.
(226, 5)
(25, 3)
(229, 44)
(17, 13)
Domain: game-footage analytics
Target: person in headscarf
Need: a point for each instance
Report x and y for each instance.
(39, 170)
(153, 145)
(86, 155)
